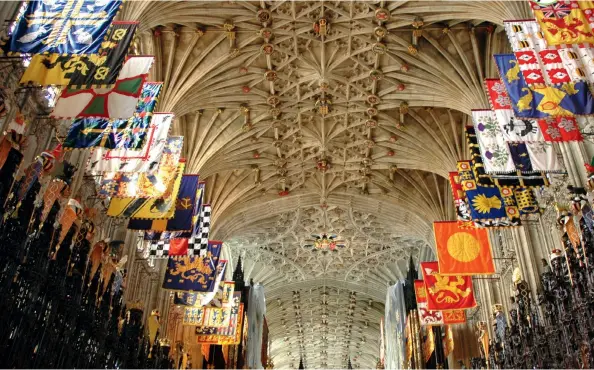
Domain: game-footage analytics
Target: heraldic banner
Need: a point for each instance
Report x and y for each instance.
(444, 292)
(462, 251)
(99, 69)
(193, 273)
(428, 317)
(62, 27)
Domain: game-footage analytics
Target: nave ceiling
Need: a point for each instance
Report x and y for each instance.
(300, 129)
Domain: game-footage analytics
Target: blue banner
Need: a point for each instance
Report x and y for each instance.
(62, 26)
(520, 156)
(193, 274)
(196, 215)
(184, 210)
(570, 99)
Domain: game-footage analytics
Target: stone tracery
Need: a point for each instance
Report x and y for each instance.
(285, 119)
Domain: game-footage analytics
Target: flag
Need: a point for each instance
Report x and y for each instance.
(147, 184)
(127, 160)
(501, 156)
(568, 100)
(128, 133)
(62, 27)
(536, 179)
(487, 203)
(426, 317)
(208, 319)
(184, 210)
(563, 22)
(446, 293)
(460, 202)
(495, 152)
(117, 102)
(100, 69)
(462, 251)
(560, 64)
(558, 129)
(521, 189)
(230, 335)
(193, 273)
(148, 208)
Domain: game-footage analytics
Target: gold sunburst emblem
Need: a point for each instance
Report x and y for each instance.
(484, 204)
(463, 247)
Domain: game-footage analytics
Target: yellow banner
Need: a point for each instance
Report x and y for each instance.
(149, 208)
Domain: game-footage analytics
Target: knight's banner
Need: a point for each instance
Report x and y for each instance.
(117, 102)
(426, 317)
(148, 208)
(462, 251)
(62, 27)
(230, 335)
(99, 69)
(563, 22)
(130, 133)
(487, 203)
(184, 210)
(446, 293)
(193, 274)
(153, 184)
(143, 160)
(567, 100)
(208, 319)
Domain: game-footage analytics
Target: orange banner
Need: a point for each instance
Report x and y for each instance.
(446, 293)
(454, 317)
(462, 251)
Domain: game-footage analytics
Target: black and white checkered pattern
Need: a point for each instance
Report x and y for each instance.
(195, 248)
(198, 244)
(159, 249)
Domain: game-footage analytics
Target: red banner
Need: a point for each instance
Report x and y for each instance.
(446, 293)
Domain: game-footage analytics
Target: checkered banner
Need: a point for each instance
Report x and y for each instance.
(196, 245)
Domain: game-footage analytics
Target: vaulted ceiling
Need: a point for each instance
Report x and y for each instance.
(337, 117)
